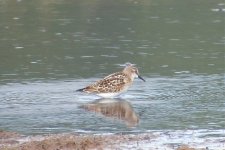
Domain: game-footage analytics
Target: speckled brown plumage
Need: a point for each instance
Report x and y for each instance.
(110, 84)
(114, 84)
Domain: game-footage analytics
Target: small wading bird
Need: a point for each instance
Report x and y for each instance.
(114, 84)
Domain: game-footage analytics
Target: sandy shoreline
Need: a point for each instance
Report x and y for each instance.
(69, 141)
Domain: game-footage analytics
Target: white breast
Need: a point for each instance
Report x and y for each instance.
(108, 95)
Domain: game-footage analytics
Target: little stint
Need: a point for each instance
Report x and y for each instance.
(114, 84)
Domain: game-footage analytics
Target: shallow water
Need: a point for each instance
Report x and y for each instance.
(179, 102)
(48, 49)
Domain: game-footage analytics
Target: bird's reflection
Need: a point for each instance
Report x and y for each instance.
(114, 108)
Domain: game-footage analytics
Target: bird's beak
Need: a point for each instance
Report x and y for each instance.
(141, 78)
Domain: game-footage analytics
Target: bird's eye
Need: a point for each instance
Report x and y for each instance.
(134, 70)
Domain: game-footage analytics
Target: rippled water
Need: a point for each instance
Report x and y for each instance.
(180, 102)
(48, 49)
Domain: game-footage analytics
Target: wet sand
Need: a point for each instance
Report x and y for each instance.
(15, 141)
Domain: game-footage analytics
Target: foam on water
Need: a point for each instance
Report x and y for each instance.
(155, 139)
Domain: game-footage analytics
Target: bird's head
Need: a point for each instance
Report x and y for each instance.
(133, 72)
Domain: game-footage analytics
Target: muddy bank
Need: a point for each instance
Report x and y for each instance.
(14, 141)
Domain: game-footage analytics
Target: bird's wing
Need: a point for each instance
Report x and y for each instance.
(110, 84)
(116, 75)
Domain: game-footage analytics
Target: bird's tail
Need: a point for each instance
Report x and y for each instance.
(80, 90)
